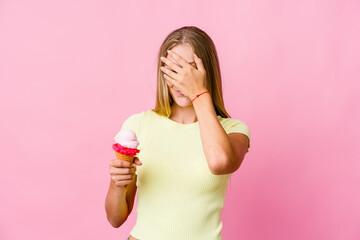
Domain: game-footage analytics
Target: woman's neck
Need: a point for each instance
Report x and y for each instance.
(184, 115)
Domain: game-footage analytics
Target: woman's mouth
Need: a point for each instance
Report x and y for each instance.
(178, 92)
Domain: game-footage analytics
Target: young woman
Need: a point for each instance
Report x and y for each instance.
(189, 148)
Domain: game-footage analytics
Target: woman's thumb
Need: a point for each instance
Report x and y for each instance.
(137, 161)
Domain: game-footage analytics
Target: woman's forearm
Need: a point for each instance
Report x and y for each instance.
(215, 141)
(116, 205)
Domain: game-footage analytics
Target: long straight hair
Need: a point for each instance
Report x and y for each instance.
(203, 46)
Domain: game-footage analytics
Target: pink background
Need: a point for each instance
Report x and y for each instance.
(72, 71)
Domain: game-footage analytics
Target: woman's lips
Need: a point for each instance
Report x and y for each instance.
(178, 92)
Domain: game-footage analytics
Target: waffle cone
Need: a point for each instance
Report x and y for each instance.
(124, 157)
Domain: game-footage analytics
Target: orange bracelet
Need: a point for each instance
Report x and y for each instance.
(199, 95)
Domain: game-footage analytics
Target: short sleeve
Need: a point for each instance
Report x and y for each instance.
(232, 125)
(131, 123)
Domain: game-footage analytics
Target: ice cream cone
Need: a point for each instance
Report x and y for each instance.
(124, 157)
(126, 146)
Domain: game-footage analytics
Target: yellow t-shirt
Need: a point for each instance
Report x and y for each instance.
(178, 198)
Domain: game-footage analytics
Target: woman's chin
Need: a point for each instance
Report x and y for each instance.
(183, 102)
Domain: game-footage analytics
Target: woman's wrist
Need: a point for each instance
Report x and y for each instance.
(194, 97)
(118, 188)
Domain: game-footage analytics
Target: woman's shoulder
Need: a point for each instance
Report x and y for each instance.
(133, 121)
(226, 120)
(133, 117)
(232, 125)
(137, 117)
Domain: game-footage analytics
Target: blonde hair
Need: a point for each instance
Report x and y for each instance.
(202, 45)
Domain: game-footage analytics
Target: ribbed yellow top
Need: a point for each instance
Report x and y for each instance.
(178, 198)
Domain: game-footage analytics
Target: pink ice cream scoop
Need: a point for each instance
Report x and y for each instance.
(126, 143)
